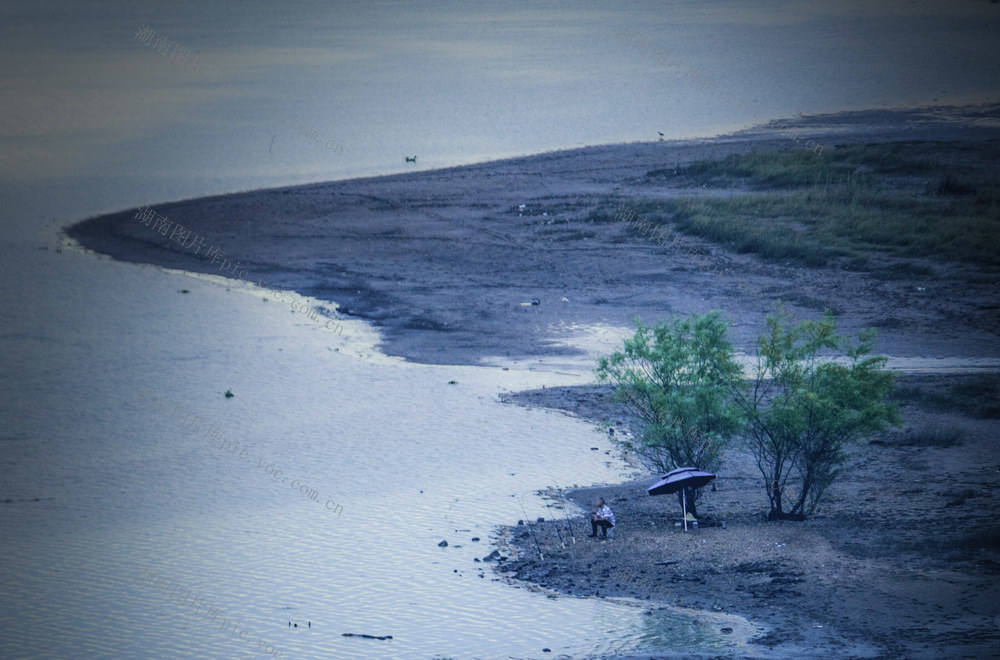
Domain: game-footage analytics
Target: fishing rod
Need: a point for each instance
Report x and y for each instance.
(528, 524)
(552, 518)
(569, 527)
(566, 513)
(449, 509)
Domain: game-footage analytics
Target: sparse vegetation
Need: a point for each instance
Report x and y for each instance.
(905, 200)
(932, 436)
(976, 396)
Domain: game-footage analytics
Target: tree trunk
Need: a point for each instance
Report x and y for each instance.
(775, 495)
(777, 513)
(800, 506)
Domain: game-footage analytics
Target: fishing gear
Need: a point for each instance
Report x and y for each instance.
(449, 509)
(528, 523)
(568, 525)
(552, 518)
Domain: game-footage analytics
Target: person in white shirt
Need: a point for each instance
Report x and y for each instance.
(603, 517)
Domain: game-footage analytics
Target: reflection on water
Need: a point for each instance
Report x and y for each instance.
(185, 417)
(411, 459)
(186, 598)
(96, 488)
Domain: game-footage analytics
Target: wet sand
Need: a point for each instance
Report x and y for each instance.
(443, 261)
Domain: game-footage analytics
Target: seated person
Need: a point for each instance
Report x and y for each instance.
(603, 517)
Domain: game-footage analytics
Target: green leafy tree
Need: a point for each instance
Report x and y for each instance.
(676, 376)
(803, 409)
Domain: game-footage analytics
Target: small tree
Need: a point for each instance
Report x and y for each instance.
(676, 377)
(802, 411)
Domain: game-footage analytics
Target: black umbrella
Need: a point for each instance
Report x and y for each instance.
(679, 480)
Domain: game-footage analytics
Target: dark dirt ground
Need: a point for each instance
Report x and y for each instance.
(440, 261)
(903, 559)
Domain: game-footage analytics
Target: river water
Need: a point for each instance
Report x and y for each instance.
(113, 400)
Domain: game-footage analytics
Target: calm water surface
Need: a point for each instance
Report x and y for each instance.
(99, 486)
(125, 487)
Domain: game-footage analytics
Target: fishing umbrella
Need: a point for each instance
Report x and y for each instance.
(679, 480)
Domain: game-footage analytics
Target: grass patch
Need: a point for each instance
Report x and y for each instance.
(983, 539)
(903, 200)
(762, 170)
(979, 396)
(904, 271)
(945, 165)
(975, 396)
(932, 436)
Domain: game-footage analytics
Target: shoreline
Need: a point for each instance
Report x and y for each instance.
(446, 265)
(896, 563)
(441, 261)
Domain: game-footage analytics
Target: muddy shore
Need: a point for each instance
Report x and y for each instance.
(903, 559)
(441, 261)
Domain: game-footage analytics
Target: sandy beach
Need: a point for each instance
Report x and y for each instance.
(903, 559)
